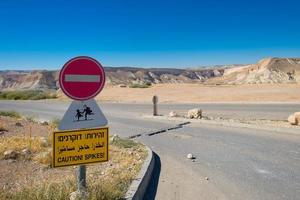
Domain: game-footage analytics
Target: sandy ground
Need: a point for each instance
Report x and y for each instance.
(199, 93)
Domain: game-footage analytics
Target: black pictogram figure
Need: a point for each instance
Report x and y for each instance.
(78, 114)
(86, 111)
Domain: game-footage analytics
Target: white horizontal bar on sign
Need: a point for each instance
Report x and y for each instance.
(82, 78)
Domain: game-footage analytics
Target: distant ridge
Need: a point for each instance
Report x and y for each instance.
(48, 80)
(268, 70)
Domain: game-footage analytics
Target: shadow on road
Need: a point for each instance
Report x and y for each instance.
(152, 188)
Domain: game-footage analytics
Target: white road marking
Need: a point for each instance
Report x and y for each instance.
(82, 78)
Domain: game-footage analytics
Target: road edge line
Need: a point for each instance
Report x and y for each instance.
(139, 185)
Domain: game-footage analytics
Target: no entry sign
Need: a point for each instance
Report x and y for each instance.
(82, 78)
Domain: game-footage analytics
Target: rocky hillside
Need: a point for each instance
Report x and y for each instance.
(159, 75)
(49, 79)
(270, 70)
(29, 80)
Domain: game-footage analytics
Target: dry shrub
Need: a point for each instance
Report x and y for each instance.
(10, 114)
(2, 128)
(44, 157)
(125, 163)
(19, 143)
(44, 191)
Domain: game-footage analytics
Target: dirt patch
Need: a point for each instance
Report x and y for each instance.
(196, 93)
(24, 127)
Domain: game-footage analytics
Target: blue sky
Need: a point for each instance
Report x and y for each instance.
(45, 34)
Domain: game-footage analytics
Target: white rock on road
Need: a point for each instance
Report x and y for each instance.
(195, 113)
(294, 119)
(190, 156)
(173, 114)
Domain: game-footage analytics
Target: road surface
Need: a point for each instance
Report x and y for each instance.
(238, 163)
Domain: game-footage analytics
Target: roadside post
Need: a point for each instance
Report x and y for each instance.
(155, 101)
(82, 137)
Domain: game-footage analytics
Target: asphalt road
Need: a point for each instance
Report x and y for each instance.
(238, 163)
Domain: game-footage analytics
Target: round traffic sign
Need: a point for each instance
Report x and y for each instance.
(82, 78)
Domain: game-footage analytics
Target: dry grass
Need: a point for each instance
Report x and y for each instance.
(27, 95)
(106, 181)
(53, 191)
(55, 122)
(2, 128)
(19, 143)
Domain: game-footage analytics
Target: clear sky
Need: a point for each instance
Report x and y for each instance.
(156, 33)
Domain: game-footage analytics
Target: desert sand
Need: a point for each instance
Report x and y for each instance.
(199, 93)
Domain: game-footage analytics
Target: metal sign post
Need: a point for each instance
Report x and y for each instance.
(81, 178)
(82, 138)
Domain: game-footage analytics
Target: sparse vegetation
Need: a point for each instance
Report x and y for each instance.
(19, 143)
(55, 122)
(138, 85)
(2, 128)
(10, 114)
(27, 95)
(123, 143)
(105, 181)
(30, 118)
(42, 192)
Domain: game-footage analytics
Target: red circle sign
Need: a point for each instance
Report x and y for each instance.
(82, 78)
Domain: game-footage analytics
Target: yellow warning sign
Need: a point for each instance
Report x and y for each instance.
(75, 147)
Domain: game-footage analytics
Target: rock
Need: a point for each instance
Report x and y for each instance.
(195, 113)
(114, 137)
(122, 86)
(26, 151)
(210, 118)
(173, 114)
(190, 156)
(44, 142)
(206, 178)
(11, 154)
(18, 124)
(78, 195)
(44, 123)
(11, 161)
(294, 119)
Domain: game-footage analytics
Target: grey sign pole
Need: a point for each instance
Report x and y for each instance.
(81, 178)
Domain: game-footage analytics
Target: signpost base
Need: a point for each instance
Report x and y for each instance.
(81, 178)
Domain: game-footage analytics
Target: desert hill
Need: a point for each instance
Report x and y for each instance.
(269, 70)
(114, 76)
